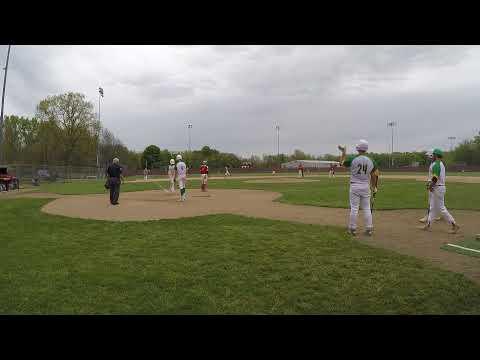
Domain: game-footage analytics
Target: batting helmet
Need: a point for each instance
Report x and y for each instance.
(438, 152)
(362, 145)
(179, 157)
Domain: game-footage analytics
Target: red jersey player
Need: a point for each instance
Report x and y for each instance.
(204, 175)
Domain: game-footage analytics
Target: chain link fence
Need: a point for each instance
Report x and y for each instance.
(54, 173)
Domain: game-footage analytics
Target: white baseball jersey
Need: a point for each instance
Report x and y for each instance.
(361, 167)
(181, 169)
(171, 170)
(438, 170)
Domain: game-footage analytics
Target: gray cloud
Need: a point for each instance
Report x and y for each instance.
(234, 95)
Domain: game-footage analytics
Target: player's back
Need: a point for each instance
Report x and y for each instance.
(360, 170)
(181, 169)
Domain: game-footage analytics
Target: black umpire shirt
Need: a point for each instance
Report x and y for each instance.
(114, 170)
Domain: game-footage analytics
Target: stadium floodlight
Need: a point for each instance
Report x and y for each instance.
(392, 124)
(452, 139)
(100, 95)
(189, 126)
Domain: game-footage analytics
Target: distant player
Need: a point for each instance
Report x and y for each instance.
(145, 174)
(429, 181)
(438, 189)
(331, 172)
(204, 175)
(227, 173)
(300, 170)
(182, 177)
(363, 180)
(171, 175)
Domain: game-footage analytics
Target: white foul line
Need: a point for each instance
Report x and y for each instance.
(464, 248)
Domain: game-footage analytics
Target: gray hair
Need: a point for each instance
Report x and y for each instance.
(116, 160)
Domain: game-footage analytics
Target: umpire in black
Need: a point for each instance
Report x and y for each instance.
(114, 174)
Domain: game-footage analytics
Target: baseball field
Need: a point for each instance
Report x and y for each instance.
(254, 244)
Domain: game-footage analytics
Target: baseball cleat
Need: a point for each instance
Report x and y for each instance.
(423, 219)
(454, 229)
(352, 232)
(425, 227)
(369, 232)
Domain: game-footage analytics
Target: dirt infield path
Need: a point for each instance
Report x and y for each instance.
(395, 229)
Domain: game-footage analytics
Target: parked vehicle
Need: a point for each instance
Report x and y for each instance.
(8, 182)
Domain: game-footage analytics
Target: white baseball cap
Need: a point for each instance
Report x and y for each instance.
(362, 145)
(172, 161)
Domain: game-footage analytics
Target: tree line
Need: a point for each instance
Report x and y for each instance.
(65, 131)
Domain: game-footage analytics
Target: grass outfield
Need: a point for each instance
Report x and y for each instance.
(393, 194)
(222, 264)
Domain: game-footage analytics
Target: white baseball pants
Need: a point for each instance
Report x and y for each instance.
(204, 178)
(181, 182)
(437, 205)
(172, 183)
(360, 198)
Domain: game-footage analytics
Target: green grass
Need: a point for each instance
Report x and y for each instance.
(222, 264)
(470, 243)
(393, 194)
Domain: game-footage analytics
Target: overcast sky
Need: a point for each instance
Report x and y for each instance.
(321, 96)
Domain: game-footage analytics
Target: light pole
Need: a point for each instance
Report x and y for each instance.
(452, 139)
(100, 95)
(3, 101)
(392, 124)
(189, 126)
(277, 128)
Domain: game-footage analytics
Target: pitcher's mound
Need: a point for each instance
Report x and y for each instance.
(154, 205)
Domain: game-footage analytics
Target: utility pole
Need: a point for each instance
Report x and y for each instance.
(392, 124)
(100, 95)
(3, 101)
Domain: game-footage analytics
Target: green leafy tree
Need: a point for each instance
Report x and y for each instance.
(73, 116)
(151, 156)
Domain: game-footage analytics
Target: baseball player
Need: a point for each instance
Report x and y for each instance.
(204, 175)
(300, 170)
(331, 172)
(171, 175)
(227, 173)
(181, 177)
(429, 180)
(145, 174)
(363, 181)
(438, 189)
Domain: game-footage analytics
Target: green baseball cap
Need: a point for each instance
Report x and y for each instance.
(438, 152)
